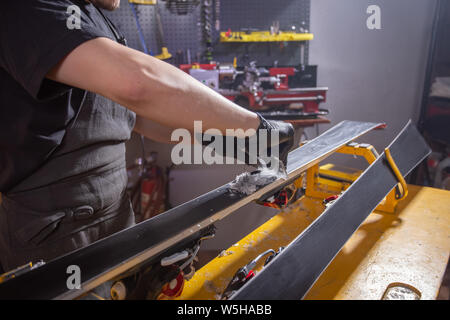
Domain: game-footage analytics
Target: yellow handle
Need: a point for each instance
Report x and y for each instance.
(397, 173)
(164, 54)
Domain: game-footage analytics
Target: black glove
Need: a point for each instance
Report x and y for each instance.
(260, 145)
(285, 133)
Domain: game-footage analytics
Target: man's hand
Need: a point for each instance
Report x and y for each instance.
(285, 132)
(269, 135)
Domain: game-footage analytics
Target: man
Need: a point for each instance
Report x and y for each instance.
(69, 99)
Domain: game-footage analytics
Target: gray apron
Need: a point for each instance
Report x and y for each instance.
(78, 196)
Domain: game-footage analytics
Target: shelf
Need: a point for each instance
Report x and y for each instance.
(264, 36)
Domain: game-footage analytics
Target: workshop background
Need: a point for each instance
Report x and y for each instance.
(371, 75)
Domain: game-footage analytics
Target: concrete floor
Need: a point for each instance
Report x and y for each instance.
(444, 291)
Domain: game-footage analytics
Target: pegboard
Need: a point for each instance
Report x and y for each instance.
(180, 32)
(183, 33)
(260, 14)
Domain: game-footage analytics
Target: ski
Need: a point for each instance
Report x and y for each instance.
(148, 240)
(293, 272)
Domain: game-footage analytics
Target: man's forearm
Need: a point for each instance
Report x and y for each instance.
(173, 98)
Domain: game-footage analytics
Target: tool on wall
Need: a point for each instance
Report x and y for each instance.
(181, 7)
(217, 14)
(134, 10)
(207, 28)
(164, 55)
(143, 1)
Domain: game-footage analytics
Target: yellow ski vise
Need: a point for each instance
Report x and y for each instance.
(326, 180)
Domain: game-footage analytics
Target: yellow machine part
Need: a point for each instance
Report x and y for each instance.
(410, 248)
(264, 36)
(329, 179)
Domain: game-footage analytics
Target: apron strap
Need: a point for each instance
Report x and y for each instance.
(38, 230)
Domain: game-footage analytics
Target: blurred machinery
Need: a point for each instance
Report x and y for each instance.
(284, 93)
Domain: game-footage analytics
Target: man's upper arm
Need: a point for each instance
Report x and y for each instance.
(34, 37)
(101, 66)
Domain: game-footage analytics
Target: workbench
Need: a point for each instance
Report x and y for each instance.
(408, 248)
(309, 122)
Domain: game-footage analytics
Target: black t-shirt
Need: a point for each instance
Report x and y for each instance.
(34, 111)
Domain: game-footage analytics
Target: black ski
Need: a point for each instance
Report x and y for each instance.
(293, 272)
(147, 241)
